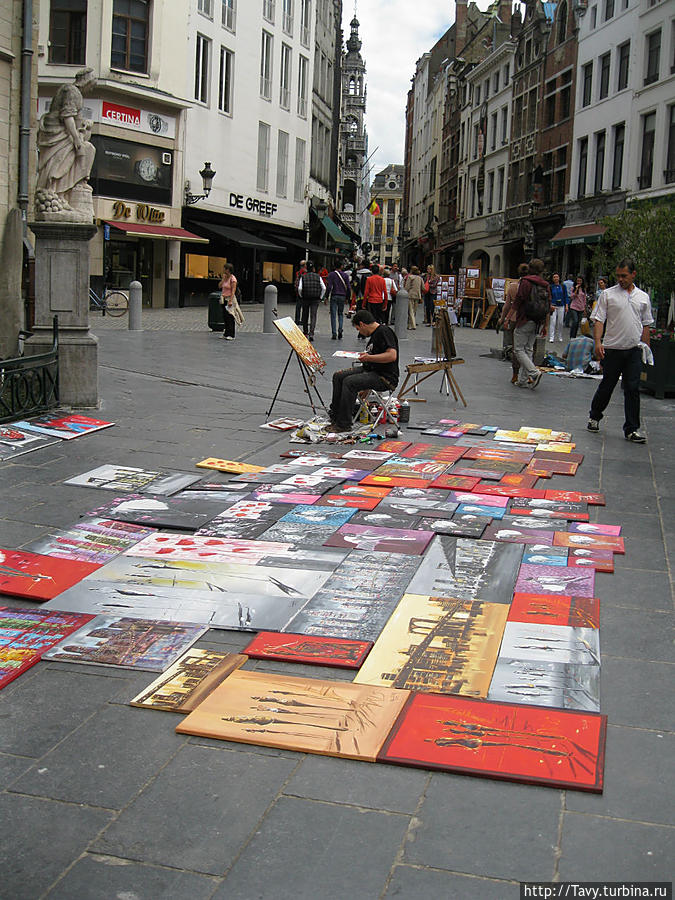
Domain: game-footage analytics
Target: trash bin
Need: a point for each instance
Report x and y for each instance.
(215, 312)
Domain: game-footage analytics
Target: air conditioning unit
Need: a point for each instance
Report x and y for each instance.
(166, 159)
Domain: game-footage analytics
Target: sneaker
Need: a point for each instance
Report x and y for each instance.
(636, 437)
(228, 338)
(593, 425)
(333, 337)
(535, 381)
(339, 335)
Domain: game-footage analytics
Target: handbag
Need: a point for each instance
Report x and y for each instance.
(426, 286)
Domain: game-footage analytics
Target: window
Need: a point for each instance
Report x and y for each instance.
(583, 163)
(532, 110)
(262, 179)
(490, 191)
(560, 174)
(287, 17)
(599, 161)
(624, 59)
(586, 83)
(486, 88)
(565, 101)
(303, 63)
(299, 182)
(609, 10)
(562, 22)
(282, 164)
(617, 162)
(285, 80)
(432, 175)
(653, 54)
(305, 21)
(604, 76)
(550, 102)
(594, 17)
(268, 10)
(225, 80)
(495, 82)
(202, 63)
(519, 117)
(647, 155)
(229, 14)
(493, 131)
(130, 25)
(476, 95)
(505, 124)
(473, 197)
(506, 74)
(205, 7)
(68, 32)
(266, 66)
(476, 132)
(669, 174)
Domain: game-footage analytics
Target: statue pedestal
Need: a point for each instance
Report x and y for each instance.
(62, 289)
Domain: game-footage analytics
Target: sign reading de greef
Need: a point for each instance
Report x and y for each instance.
(122, 116)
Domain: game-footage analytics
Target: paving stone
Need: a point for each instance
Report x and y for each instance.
(88, 767)
(642, 553)
(638, 693)
(233, 746)
(11, 767)
(103, 878)
(636, 588)
(303, 849)
(226, 790)
(432, 884)
(39, 839)
(40, 711)
(636, 633)
(485, 811)
(327, 673)
(598, 849)
(391, 788)
(14, 533)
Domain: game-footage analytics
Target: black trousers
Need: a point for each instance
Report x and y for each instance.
(347, 383)
(229, 323)
(310, 309)
(628, 365)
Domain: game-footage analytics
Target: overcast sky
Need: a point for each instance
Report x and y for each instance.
(395, 33)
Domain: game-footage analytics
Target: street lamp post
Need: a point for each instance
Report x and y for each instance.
(207, 174)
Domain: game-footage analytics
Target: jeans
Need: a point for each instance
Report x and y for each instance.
(347, 383)
(523, 347)
(628, 365)
(429, 308)
(556, 326)
(337, 308)
(575, 318)
(309, 310)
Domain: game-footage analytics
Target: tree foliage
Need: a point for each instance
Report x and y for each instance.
(645, 233)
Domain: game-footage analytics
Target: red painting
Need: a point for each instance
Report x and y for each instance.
(516, 479)
(544, 514)
(507, 490)
(434, 451)
(348, 501)
(455, 482)
(310, 649)
(396, 481)
(37, 577)
(498, 454)
(545, 468)
(576, 497)
(552, 609)
(589, 541)
(393, 446)
(600, 560)
(556, 454)
(548, 746)
(362, 490)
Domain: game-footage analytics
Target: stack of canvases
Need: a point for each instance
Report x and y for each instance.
(463, 594)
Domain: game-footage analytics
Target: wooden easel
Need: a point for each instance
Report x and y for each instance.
(309, 379)
(444, 343)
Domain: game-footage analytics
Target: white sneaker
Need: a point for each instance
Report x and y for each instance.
(228, 338)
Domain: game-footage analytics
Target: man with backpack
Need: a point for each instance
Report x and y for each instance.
(311, 290)
(337, 286)
(532, 308)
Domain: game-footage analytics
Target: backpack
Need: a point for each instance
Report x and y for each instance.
(537, 305)
(311, 286)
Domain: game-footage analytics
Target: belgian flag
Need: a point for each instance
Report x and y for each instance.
(374, 208)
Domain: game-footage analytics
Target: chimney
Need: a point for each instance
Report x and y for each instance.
(460, 26)
(505, 12)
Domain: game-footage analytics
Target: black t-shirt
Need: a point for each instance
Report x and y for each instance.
(380, 341)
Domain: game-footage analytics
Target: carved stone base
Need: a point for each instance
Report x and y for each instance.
(78, 364)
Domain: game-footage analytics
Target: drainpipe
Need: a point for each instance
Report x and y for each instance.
(26, 83)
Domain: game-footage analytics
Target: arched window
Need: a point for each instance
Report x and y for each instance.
(360, 86)
(352, 86)
(353, 125)
(562, 21)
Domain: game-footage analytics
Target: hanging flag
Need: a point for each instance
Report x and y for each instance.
(374, 208)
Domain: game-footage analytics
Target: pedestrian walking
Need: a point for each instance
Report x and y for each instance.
(232, 314)
(311, 289)
(558, 308)
(337, 288)
(577, 306)
(626, 311)
(375, 294)
(533, 304)
(568, 284)
(392, 290)
(298, 299)
(413, 285)
(430, 287)
(507, 320)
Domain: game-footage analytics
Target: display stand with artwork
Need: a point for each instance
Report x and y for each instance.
(310, 361)
(446, 358)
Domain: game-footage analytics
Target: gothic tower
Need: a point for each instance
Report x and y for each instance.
(353, 138)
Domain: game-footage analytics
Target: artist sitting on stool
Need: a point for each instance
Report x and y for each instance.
(378, 369)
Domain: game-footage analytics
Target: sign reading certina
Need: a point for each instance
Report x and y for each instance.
(252, 204)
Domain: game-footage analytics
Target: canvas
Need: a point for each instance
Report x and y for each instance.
(311, 650)
(553, 505)
(551, 643)
(460, 525)
(600, 560)
(413, 507)
(482, 472)
(532, 523)
(536, 555)
(480, 499)
(313, 483)
(554, 609)
(283, 424)
(556, 580)
(445, 452)
(310, 558)
(361, 490)
(311, 460)
(510, 534)
(477, 509)
(91, 540)
(394, 446)
(247, 519)
(37, 577)
(508, 490)
(232, 610)
(437, 644)
(128, 643)
(264, 477)
(201, 547)
(128, 479)
(331, 718)
(299, 342)
(500, 466)
(228, 465)
(372, 455)
(552, 747)
(519, 480)
(327, 454)
(595, 528)
(183, 686)
(589, 541)
(168, 512)
(15, 442)
(289, 498)
(545, 468)
(428, 495)
(396, 480)
(503, 454)
(322, 516)
(349, 502)
(557, 456)
(563, 685)
(224, 498)
(549, 514)
(594, 499)
(385, 540)
(300, 535)
(380, 519)
(468, 570)
(63, 425)
(399, 465)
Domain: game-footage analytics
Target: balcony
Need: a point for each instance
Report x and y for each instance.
(644, 181)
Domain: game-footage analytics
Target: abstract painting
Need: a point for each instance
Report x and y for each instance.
(309, 649)
(131, 480)
(542, 514)
(480, 499)
(476, 509)
(183, 686)
(595, 528)
(396, 480)
(519, 480)
(551, 643)
(550, 609)
(563, 685)
(554, 747)
(437, 644)
(510, 534)
(498, 453)
(459, 525)
(63, 425)
(508, 490)
(384, 540)
(545, 468)
(481, 472)
(299, 342)
(576, 497)
(556, 580)
(331, 718)
(91, 540)
(455, 482)
(312, 558)
(600, 560)
(289, 498)
(198, 546)
(399, 465)
(589, 541)
(441, 453)
(169, 512)
(349, 501)
(551, 505)
(38, 577)
(17, 441)
(385, 519)
(362, 490)
(228, 465)
(542, 555)
(128, 643)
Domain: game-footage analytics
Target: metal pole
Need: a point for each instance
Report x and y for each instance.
(270, 309)
(135, 306)
(401, 315)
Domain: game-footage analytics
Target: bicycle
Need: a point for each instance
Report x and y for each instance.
(115, 303)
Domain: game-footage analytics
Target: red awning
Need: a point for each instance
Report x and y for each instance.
(157, 232)
(578, 234)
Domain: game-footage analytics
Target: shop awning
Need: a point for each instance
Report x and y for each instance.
(578, 234)
(335, 232)
(354, 235)
(238, 236)
(308, 247)
(157, 232)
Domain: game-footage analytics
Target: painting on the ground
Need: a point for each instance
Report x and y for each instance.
(564, 685)
(228, 465)
(555, 747)
(576, 582)
(465, 525)
(127, 642)
(17, 441)
(385, 540)
(38, 577)
(600, 560)
(299, 342)
(183, 686)
(348, 501)
(551, 643)
(332, 718)
(63, 425)
(156, 512)
(590, 541)
(309, 649)
(91, 540)
(128, 479)
(163, 545)
(437, 644)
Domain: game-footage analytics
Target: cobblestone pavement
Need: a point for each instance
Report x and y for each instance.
(99, 800)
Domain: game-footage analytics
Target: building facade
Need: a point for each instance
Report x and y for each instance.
(353, 154)
(384, 231)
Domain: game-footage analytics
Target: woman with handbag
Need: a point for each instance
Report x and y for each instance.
(577, 306)
(430, 286)
(232, 314)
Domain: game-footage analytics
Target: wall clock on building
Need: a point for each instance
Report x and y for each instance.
(147, 170)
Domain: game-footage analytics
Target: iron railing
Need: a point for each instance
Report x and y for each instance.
(30, 384)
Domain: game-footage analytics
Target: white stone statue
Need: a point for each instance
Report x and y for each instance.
(66, 156)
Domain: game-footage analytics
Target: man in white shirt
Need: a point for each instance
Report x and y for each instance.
(627, 312)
